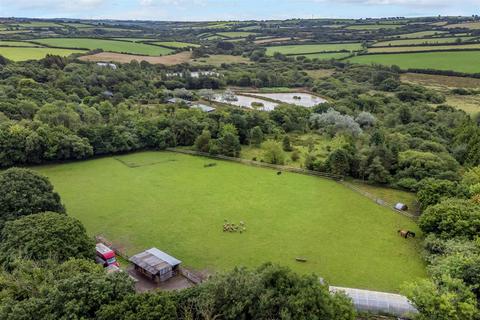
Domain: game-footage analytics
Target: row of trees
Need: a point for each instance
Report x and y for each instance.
(451, 223)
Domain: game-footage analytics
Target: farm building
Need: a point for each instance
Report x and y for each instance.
(155, 264)
(179, 100)
(203, 107)
(106, 64)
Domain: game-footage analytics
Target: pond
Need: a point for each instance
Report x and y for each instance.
(300, 99)
(297, 98)
(246, 102)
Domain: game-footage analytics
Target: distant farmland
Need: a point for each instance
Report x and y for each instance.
(23, 53)
(462, 61)
(325, 56)
(175, 44)
(105, 45)
(406, 42)
(421, 34)
(424, 48)
(374, 26)
(313, 48)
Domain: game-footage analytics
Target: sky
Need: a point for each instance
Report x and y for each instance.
(201, 10)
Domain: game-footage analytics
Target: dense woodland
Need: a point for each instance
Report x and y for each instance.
(392, 133)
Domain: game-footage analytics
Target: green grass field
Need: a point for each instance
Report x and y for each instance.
(468, 25)
(171, 201)
(106, 45)
(236, 34)
(176, 44)
(406, 42)
(8, 43)
(312, 48)
(22, 54)
(421, 34)
(461, 61)
(374, 26)
(325, 56)
(425, 48)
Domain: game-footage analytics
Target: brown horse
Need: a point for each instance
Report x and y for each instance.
(406, 233)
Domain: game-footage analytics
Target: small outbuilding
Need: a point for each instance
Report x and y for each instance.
(203, 107)
(179, 101)
(107, 65)
(401, 206)
(155, 264)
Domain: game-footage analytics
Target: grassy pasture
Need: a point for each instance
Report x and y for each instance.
(439, 81)
(176, 44)
(461, 61)
(374, 26)
(424, 48)
(8, 43)
(23, 53)
(219, 59)
(325, 56)
(420, 34)
(106, 45)
(312, 48)
(136, 39)
(406, 42)
(173, 202)
(236, 34)
(468, 25)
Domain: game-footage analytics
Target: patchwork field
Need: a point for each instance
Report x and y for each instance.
(468, 25)
(421, 34)
(313, 48)
(325, 56)
(462, 61)
(406, 42)
(176, 44)
(425, 48)
(219, 59)
(23, 54)
(106, 45)
(172, 59)
(8, 43)
(236, 34)
(175, 203)
(374, 26)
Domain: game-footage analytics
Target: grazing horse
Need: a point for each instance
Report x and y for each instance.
(406, 233)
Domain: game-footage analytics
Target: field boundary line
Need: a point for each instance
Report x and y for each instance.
(260, 164)
(337, 178)
(378, 201)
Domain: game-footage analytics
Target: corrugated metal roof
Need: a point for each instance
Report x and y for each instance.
(203, 107)
(149, 262)
(164, 256)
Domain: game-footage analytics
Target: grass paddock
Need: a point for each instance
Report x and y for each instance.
(171, 201)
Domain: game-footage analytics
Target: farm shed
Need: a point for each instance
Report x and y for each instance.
(106, 64)
(401, 206)
(378, 302)
(203, 107)
(155, 264)
(179, 100)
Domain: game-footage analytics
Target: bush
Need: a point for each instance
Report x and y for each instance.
(273, 153)
(45, 235)
(24, 192)
(452, 218)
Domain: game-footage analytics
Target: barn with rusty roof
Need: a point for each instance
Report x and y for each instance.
(155, 264)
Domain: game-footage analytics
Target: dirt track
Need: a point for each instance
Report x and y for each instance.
(168, 60)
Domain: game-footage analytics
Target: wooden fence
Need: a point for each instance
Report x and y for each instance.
(260, 164)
